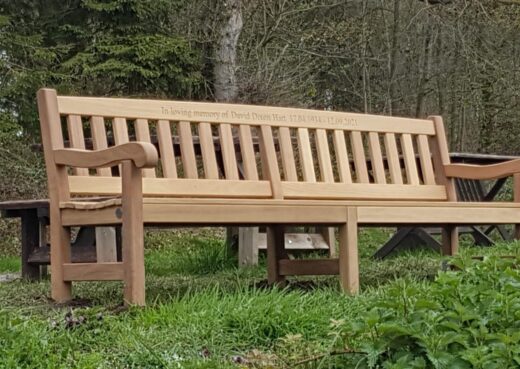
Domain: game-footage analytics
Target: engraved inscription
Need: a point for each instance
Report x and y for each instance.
(248, 116)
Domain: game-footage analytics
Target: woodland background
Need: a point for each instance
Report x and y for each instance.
(457, 58)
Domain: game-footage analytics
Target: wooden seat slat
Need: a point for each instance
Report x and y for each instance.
(287, 153)
(376, 158)
(227, 147)
(142, 133)
(164, 138)
(99, 141)
(360, 161)
(76, 139)
(342, 157)
(306, 161)
(324, 160)
(189, 163)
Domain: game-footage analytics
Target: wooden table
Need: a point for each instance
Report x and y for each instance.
(467, 190)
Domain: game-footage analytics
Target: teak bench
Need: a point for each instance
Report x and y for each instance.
(305, 181)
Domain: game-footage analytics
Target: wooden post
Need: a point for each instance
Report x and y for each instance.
(106, 250)
(133, 234)
(516, 192)
(441, 157)
(247, 246)
(348, 253)
(275, 252)
(30, 241)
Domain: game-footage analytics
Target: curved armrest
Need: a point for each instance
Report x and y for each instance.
(491, 171)
(143, 154)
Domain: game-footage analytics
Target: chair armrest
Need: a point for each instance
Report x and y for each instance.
(491, 171)
(143, 155)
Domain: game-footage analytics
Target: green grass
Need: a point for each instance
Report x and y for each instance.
(9, 264)
(203, 312)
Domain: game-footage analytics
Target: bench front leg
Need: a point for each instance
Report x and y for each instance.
(133, 234)
(450, 240)
(348, 253)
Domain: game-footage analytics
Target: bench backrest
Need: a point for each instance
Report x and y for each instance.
(245, 151)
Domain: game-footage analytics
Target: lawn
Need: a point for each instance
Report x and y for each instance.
(204, 312)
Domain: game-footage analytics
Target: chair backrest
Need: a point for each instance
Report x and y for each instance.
(246, 151)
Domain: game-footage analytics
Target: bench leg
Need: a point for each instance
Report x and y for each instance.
(30, 242)
(133, 235)
(275, 252)
(450, 240)
(348, 253)
(61, 291)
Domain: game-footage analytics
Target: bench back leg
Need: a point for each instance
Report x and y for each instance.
(275, 252)
(450, 240)
(61, 290)
(133, 235)
(348, 253)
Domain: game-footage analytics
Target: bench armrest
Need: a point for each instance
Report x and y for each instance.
(491, 171)
(143, 155)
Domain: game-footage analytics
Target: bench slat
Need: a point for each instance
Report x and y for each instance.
(76, 139)
(392, 155)
(189, 163)
(376, 158)
(142, 133)
(164, 138)
(207, 148)
(248, 153)
(426, 159)
(227, 147)
(360, 161)
(287, 153)
(99, 141)
(270, 161)
(307, 163)
(409, 159)
(361, 191)
(120, 131)
(181, 187)
(322, 146)
(342, 158)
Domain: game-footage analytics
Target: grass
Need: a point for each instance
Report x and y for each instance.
(202, 312)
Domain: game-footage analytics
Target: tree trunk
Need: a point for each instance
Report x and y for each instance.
(226, 88)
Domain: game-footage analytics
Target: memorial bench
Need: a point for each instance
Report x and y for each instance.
(307, 181)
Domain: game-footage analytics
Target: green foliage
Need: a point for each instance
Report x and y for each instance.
(467, 319)
(113, 47)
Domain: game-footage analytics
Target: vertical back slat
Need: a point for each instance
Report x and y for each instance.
(376, 158)
(392, 157)
(426, 160)
(342, 159)
(164, 138)
(248, 153)
(77, 139)
(207, 148)
(120, 131)
(287, 152)
(270, 161)
(189, 163)
(142, 133)
(307, 164)
(360, 160)
(99, 141)
(409, 159)
(322, 146)
(227, 146)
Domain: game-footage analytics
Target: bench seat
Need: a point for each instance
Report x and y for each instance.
(274, 167)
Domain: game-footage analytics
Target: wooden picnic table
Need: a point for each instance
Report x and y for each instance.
(467, 190)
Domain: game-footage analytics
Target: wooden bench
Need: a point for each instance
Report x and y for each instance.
(310, 181)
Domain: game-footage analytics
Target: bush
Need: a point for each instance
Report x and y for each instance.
(466, 319)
